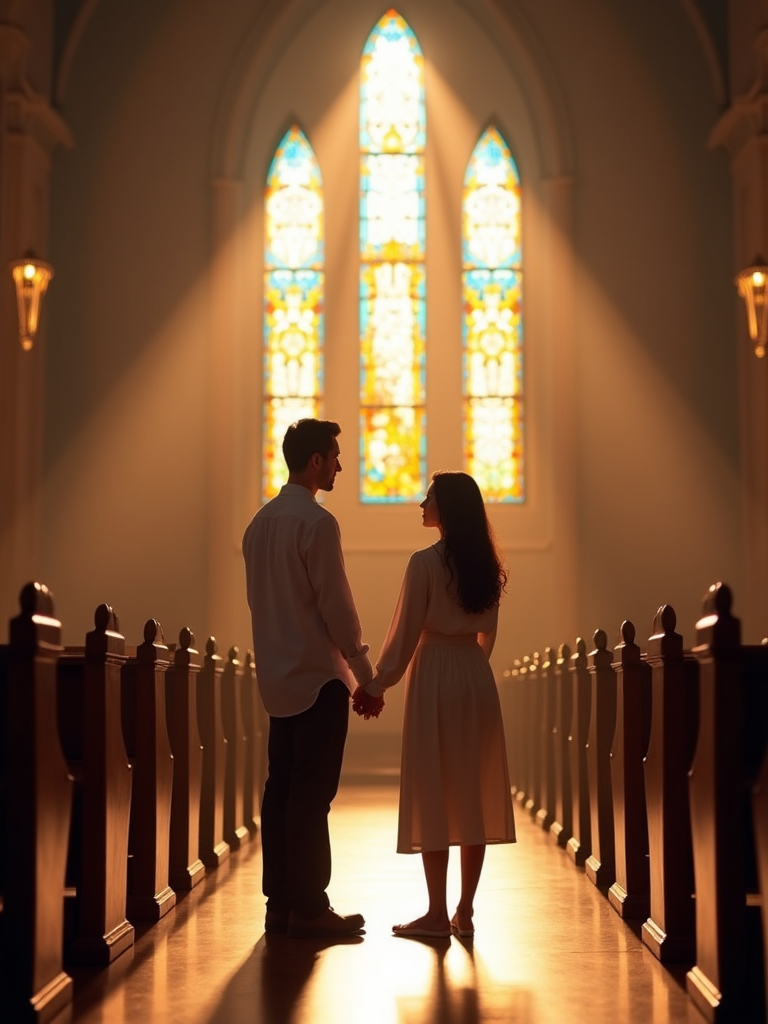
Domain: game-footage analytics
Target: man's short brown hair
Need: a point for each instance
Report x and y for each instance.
(305, 438)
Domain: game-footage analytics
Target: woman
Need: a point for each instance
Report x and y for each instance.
(454, 782)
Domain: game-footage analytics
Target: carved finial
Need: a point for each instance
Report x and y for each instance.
(249, 659)
(153, 632)
(105, 638)
(601, 655)
(664, 642)
(665, 620)
(104, 618)
(579, 656)
(211, 646)
(35, 624)
(36, 599)
(627, 632)
(717, 627)
(717, 600)
(627, 651)
(232, 655)
(186, 638)
(564, 652)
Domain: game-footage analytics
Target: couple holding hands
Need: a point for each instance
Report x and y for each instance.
(309, 657)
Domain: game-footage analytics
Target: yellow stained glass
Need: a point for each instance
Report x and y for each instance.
(392, 343)
(493, 325)
(392, 273)
(294, 286)
(395, 451)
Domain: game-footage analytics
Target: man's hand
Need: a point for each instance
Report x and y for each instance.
(365, 705)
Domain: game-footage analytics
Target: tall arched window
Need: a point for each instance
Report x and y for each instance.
(392, 274)
(493, 325)
(294, 289)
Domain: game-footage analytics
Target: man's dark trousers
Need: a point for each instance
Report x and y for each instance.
(305, 755)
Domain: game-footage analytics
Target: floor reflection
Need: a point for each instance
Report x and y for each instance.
(460, 991)
(548, 948)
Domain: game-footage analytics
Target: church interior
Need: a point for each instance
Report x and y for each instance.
(176, 316)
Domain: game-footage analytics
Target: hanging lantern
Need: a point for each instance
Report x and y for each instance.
(752, 283)
(31, 277)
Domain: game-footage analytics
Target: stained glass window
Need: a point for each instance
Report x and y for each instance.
(392, 275)
(492, 330)
(293, 298)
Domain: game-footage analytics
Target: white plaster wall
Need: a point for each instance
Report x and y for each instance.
(657, 318)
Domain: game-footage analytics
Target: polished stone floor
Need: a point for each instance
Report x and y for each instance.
(548, 947)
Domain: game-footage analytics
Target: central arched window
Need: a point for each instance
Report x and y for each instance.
(392, 271)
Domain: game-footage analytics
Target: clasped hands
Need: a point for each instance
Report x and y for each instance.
(366, 705)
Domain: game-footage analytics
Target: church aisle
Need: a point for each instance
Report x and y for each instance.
(548, 947)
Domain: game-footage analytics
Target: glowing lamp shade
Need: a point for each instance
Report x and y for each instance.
(31, 277)
(752, 283)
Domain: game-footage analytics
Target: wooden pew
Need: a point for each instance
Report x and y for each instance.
(548, 683)
(235, 830)
(760, 817)
(726, 981)
(534, 710)
(630, 893)
(511, 709)
(150, 895)
(670, 928)
(255, 746)
(580, 844)
(262, 719)
(562, 827)
(90, 728)
(710, 809)
(600, 866)
(214, 849)
(520, 718)
(36, 801)
(185, 868)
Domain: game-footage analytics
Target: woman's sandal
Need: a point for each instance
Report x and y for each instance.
(407, 930)
(463, 933)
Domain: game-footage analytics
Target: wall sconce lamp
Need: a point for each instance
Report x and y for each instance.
(31, 277)
(752, 283)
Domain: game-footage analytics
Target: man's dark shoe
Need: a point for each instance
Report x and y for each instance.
(328, 924)
(276, 921)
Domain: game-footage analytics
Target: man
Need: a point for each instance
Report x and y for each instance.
(307, 637)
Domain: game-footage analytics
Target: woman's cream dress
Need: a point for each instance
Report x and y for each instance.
(454, 781)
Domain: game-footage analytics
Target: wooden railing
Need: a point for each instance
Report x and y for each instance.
(125, 775)
(660, 789)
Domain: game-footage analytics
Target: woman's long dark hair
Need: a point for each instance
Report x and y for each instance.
(470, 551)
